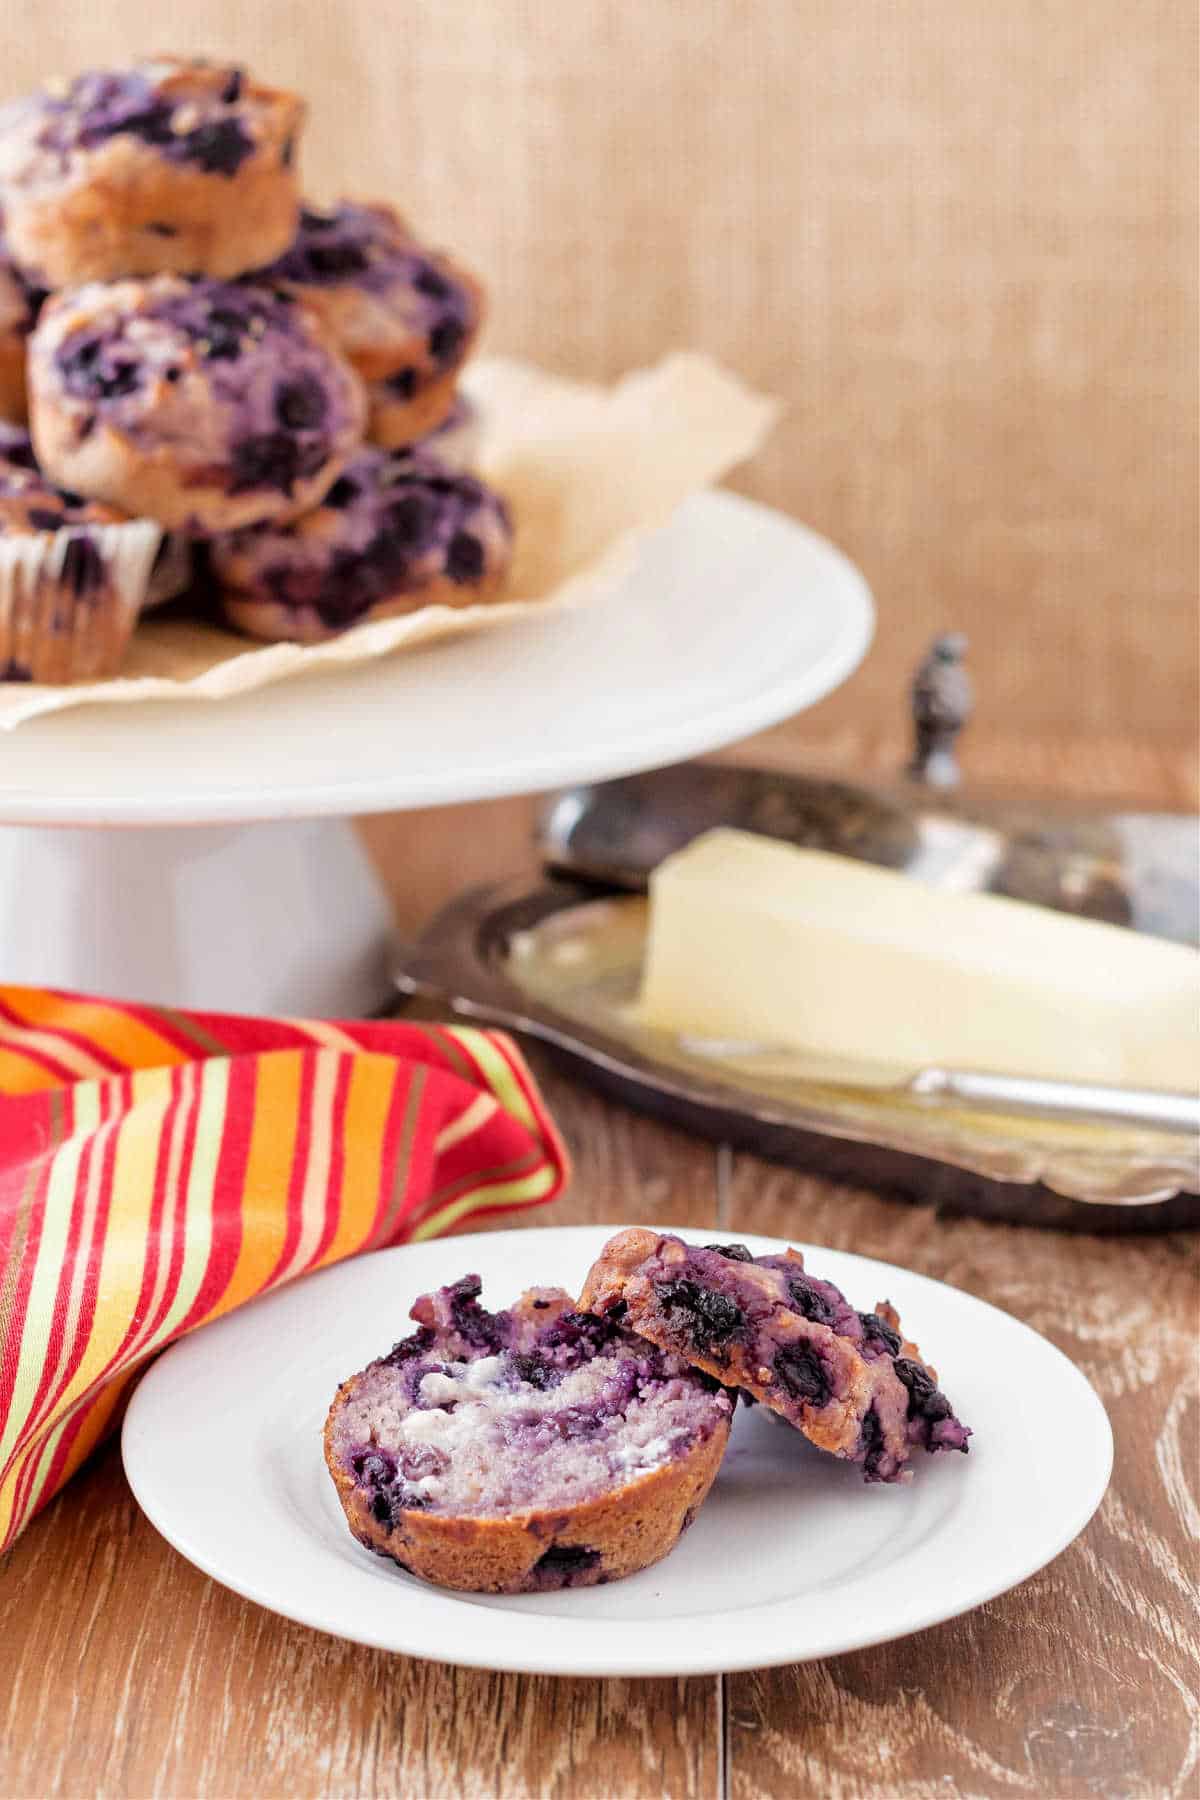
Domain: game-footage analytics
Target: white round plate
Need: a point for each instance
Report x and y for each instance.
(792, 1557)
(735, 617)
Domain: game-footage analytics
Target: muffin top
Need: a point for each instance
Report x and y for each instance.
(370, 249)
(847, 1379)
(208, 116)
(236, 379)
(392, 520)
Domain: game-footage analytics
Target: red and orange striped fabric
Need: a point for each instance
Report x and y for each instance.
(157, 1168)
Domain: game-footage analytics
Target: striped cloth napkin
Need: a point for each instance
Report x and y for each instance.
(158, 1168)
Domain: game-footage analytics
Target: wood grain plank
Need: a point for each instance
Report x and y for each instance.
(1082, 1681)
(134, 1675)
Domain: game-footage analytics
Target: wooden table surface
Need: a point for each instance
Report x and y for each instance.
(125, 1672)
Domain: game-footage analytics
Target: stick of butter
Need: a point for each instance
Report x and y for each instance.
(759, 942)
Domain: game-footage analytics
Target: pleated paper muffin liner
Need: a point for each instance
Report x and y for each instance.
(69, 599)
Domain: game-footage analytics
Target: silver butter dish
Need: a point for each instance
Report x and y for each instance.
(560, 960)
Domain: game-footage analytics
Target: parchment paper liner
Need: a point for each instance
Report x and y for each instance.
(589, 471)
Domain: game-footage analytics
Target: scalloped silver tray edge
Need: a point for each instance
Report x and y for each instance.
(481, 959)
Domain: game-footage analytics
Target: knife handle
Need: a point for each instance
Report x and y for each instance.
(1144, 1107)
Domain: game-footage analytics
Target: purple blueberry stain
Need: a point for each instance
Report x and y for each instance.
(464, 558)
(342, 493)
(803, 1374)
(397, 520)
(94, 367)
(709, 1318)
(629, 1409)
(334, 261)
(430, 282)
(407, 521)
(446, 340)
(220, 147)
(483, 1331)
(879, 1338)
(412, 1348)
(266, 459)
(872, 1447)
(565, 1565)
(101, 105)
(301, 405)
(930, 1414)
(225, 330)
(369, 247)
(533, 1371)
(801, 1344)
(385, 1486)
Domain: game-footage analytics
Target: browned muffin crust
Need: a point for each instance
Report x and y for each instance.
(173, 164)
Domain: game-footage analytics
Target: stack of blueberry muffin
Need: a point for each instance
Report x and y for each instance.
(204, 361)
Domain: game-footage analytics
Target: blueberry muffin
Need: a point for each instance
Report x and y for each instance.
(73, 575)
(846, 1379)
(526, 1450)
(19, 303)
(172, 570)
(407, 317)
(171, 165)
(399, 530)
(206, 405)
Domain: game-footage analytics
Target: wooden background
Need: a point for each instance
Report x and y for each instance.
(958, 238)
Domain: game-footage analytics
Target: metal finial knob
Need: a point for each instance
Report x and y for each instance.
(942, 700)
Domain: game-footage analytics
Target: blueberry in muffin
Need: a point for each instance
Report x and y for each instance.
(526, 1450)
(169, 165)
(206, 405)
(397, 531)
(405, 315)
(848, 1380)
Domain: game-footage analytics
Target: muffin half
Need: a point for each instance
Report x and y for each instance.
(525, 1450)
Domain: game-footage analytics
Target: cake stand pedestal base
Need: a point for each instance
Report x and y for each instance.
(286, 917)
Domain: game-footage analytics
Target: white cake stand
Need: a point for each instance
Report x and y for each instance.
(198, 854)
